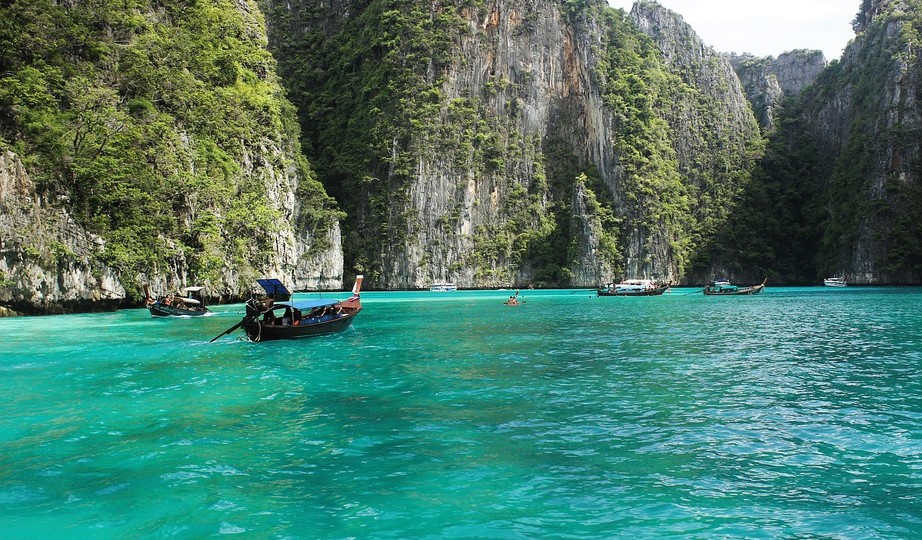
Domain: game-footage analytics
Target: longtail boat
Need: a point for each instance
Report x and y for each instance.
(633, 287)
(279, 317)
(190, 302)
(725, 288)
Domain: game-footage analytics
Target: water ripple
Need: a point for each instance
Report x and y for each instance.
(793, 414)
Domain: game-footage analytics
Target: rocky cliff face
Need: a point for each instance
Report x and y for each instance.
(294, 256)
(715, 135)
(48, 263)
(162, 145)
(530, 70)
(867, 121)
(487, 195)
(769, 80)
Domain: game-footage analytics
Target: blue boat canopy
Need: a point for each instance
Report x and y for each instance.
(274, 288)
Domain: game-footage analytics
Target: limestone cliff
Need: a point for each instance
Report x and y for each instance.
(511, 102)
(292, 254)
(154, 148)
(866, 119)
(715, 136)
(769, 80)
(48, 263)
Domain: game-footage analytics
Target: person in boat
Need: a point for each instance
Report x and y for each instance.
(312, 317)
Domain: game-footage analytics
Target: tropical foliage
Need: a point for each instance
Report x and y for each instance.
(141, 119)
(370, 91)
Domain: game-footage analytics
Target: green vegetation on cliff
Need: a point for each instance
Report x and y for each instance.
(147, 121)
(639, 92)
(367, 88)
(839, 191)
(875, 191)
(370, 88)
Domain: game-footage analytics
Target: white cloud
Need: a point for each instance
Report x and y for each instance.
(767, 28)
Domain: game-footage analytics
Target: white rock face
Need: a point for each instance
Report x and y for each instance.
(48, 263)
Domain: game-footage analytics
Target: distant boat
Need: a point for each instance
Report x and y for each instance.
(190, 302)
(722, 287)
(835, 282)
(267, 320)
(443, 287)
(633, 287)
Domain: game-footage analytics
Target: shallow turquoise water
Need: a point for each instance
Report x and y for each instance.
(793, 414)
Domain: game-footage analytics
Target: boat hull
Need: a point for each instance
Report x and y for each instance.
(259, 331)
(159, 309)
(744, 291)
(614, 292)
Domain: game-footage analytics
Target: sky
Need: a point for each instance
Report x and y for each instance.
(766, 28)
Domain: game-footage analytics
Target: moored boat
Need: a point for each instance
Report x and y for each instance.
(443, 287)
(633, 287)
(835, 282)
(190, 302)
(269, 319)
(722, 287)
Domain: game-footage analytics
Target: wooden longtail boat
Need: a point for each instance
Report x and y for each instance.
(724, 288)
(633, 287)
(190, 302)
(268, 319)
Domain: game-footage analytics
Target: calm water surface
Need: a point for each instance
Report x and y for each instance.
(793, 414)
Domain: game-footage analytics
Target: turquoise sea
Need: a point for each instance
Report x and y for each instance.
(794, 414)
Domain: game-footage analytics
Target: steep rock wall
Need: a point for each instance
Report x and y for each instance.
(867, 120)
(48, 263)
(767, 81)
(471, 176)
(714, 133)
(163, 145)
(293, 257)
(530, 70)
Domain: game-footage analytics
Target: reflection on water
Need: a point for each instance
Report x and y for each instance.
(794, 413)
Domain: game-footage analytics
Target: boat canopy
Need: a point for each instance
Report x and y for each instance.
(305, 305)
(274, 288)
(193, 289)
